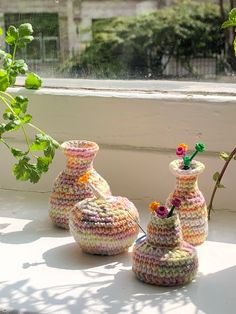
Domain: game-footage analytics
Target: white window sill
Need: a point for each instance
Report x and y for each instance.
(44, 271)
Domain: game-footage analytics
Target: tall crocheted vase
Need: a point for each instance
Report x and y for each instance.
(104, 226)
(163, 258)
(193, 209)
(67, 189)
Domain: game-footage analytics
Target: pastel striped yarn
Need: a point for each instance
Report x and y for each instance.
(104, 226)
(193, 209)
(163, 258)
(67, 189)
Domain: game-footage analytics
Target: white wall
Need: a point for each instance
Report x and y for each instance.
(138, 133)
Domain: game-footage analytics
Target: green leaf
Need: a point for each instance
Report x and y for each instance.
(216, 176)
(223, 156)
(220, 186)
(24, 171)
(4, 81)
(8, 115)
(2, 128)
(1, 31)
(43, 163)
(22, 42)
(37, 145)
(227, 24)
(26, 119)
(20, 66)
(232, 15)
(12, 35)
(21, 102)
(33, 81)
(25, 29)
(17, 152)
(13, 125)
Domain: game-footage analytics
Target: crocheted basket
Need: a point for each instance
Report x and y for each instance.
(193, 209)
(163, 258)
(104, 226)
(67, 189)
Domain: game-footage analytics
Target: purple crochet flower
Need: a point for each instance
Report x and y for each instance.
(162, 211)
(176, 202)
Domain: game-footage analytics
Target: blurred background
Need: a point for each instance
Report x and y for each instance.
(131, 39)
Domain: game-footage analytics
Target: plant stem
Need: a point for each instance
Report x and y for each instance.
(4, 100)
(171, 211)
(193, 155)
(218, 181)
(5, 143)
(136, 222)
(6, 94)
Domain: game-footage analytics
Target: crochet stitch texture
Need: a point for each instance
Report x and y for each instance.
(193, 209)
(163, 258)
(67, 189)
(104, 226)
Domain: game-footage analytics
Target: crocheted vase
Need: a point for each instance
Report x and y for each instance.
(163, 258)
(193, 209)
(67, 189)
(104, 226)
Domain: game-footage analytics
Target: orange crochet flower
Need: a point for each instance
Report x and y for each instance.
(84, 178)
(184, 146)
(153, 206)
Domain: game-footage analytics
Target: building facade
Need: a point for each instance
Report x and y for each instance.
(72, 18)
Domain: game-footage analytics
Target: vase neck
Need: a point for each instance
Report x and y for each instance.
(79, 165)
(187, 183)
(165, 232)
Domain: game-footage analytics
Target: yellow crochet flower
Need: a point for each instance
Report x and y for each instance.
(153, 206)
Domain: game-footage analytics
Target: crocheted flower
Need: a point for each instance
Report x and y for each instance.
(185, 146)
(181, 150)
(200, 147)
(162, 211)
(176, 202)
(84, 178)
(153, 206)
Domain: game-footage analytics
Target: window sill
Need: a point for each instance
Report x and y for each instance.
(44, 271)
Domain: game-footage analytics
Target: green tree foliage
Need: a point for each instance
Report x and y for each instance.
(134, 47)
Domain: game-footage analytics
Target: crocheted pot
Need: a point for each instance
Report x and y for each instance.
(104, 226)
(193, 209)
(67, 189)
(163, 258)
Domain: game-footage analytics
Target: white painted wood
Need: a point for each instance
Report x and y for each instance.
(138, 133)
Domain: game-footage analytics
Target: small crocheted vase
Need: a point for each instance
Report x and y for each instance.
(163, 258)
(193, 209)
(104, 226)
(67, 189)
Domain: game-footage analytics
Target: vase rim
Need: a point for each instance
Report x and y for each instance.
(164, 220)
(175, 167)
(79, 146)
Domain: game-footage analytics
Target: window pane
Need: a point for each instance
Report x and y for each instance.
(132, 39)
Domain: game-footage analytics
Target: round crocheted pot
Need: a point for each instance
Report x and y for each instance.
(163, 258)
(67, 189)
(104, 226)
(193, 209)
